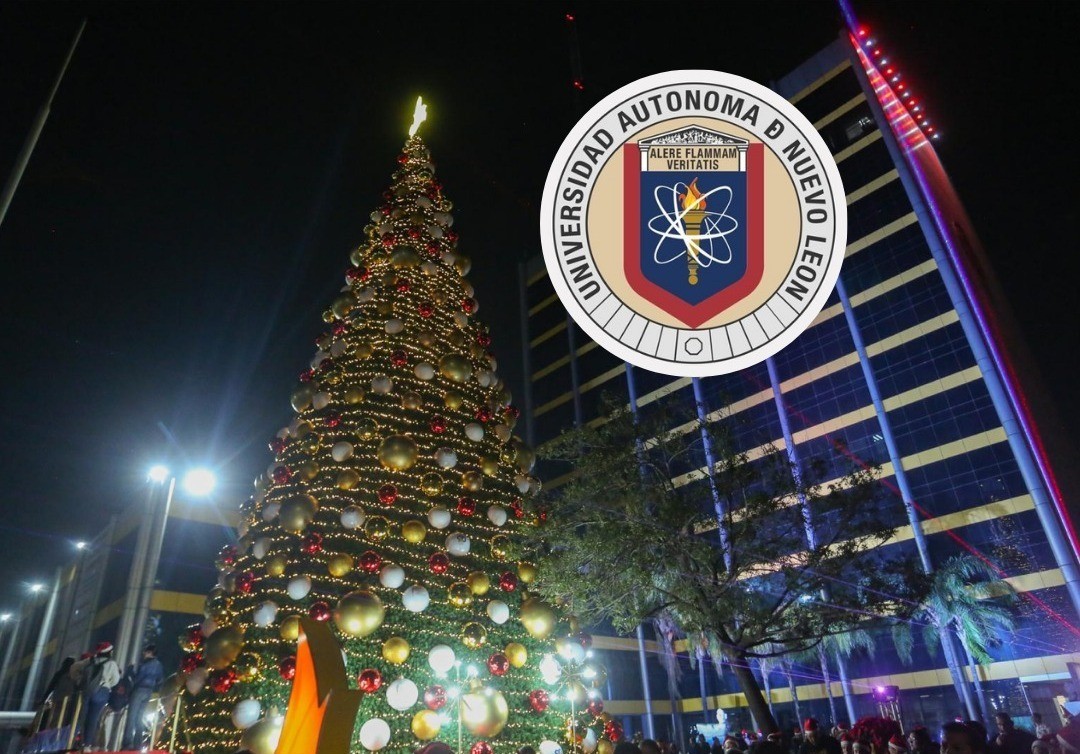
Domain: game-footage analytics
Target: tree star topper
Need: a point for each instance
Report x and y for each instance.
(419, 116)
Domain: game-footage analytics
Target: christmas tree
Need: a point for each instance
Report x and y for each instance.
(390, 512)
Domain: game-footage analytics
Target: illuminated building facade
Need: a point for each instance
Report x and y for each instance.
(910, 366)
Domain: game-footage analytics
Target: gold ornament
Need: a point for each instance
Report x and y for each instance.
(473, 635)
(359, 613)
(310, 444)
(413, 532)
(261, 738)
(301, 398)
(308, 471)
(354, 395)
(395, 650)
(342, 305)
(575, 692)
(404, 256)
(462, 264)
(472, 481)
(412, 400)
(537, 617)
(526, 457)
(478, 582)
(484, 712)
(425, 725)
(303, 429)
(500, 545)
(364, 350)
(339, 564)
(516, 654)
(427, 338)
(431, 484)
(398, 452)
(457, 339)
(455, 367)
(384, 308)
(275, 565)
(290, 628)
(452, 400)
(527, 572)
(574, 623)
(603, 746)
(490, 466)
(189, 639)
(223, 646)
(376, 528)
(297, 512)
(367, 428)
(247, 667)
(347, 479)
(508, 454)
(460, 595)
(600, 679)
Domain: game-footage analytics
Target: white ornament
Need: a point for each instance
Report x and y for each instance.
(319, 358)
(260, 547)
(434, 231)
(246, 713)
(270, 510)
(550, 669)
(439, 518)
(352, 517)
(365, 295)
(265, 614)
(498, 611)
(319, 401)
(474, 431)
(589, 741)
(382, 385)
(424, 371)
(485, 377)
(424, 202)
(550, 747)
(337, 350)
(208, 627)
(461, 320)
(402, 694)
(457, 544)
(429, 268)
(299, 587)
(391, 576)
(572, 652)
(393, 326)
(196, 680)
(415, 599)
(502, 433)
(446, 458)
(375, 734)
(497, 515)
(441, 658)
(341, 451)
(522, 482)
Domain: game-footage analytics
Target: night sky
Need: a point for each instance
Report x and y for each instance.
(206, 169)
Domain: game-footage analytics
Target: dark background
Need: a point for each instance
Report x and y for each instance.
(206, 168)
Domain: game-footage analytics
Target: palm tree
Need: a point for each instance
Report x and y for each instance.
(841, 647)
(959, 603)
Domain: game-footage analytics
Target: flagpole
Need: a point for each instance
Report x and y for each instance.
(35, 131)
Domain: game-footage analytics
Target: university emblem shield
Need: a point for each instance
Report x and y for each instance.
(694, 201)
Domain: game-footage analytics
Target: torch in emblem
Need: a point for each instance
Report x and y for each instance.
(693, 204)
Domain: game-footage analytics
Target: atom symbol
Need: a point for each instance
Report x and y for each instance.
(715, 226)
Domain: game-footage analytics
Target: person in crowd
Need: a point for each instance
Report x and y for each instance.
(731, 745)
(1068, 738)
(847, 742)
(626, 747)
(768, 746)
(698, 744)
(861, 746)
(1041, 728)
(1010, 739)
(961, 738)
(920, 742)
(1046, 745)
(147, 679)
(817, 741)
(98, 677)
(61, 684)
(648, 746)
(715, 748)
(897, 745)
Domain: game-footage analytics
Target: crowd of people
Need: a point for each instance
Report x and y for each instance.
(94, 683)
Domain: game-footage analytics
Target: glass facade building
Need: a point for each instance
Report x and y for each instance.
(910, 366)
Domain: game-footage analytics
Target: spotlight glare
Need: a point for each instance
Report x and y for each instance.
(200, 482)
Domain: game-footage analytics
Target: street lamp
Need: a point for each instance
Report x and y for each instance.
(36, 588)
(158, 473)
(200, 482)
(80, 545)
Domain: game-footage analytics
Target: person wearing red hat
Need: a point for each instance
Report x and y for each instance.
(96, 681)
(897, 745)
(847, 742)
(816, 741)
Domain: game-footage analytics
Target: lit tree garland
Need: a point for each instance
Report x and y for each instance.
(390, 510)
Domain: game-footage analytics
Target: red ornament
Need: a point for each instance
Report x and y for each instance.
(438, 424)
(403, 285)
(435, 697)
(319, 611)
(498, 664)
(189, 663)
(307, 375)
(426, 309)
(195, 637)
(508, 581)
(387, 494)
(451, 235)
(584, 639)
(223, 680)
(439, 562)
(385, 209)
(432, 249)
(369, 681)
(518, 507)
(481, 747)
(227, 555)
(399, 358)
(245, 581)
(277, 445)
(357, 274)
(281, 475)
(539, 700)
(287, 667)
(326, 365)
(466, 506)
(595, 707)
(311, 544)
(483, 339)
(332, 420)
(512, 411)
(339, 327)
(542, 514)
(389, 241)
(468, 305)
(402, 158)
(613, 730)
(414, 233)
(371, 561)
(483, 414)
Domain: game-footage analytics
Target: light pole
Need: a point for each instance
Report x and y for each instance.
(47, 619)
(9, 627)
(198, 482)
